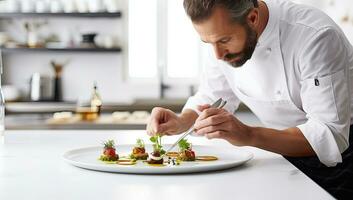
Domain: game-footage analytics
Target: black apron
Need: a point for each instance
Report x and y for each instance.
(338, 180)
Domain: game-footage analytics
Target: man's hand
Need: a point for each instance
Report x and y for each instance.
(166, 122)
(219, 123)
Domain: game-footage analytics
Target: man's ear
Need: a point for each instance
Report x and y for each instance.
(253, 18)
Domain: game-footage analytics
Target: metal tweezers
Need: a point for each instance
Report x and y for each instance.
(220, 103)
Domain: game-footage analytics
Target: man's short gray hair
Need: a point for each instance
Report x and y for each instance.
(199, 10)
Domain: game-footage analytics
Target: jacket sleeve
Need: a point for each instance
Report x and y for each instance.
(325, 94)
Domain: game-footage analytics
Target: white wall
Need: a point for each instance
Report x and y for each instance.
(339, 10)
(110, 70)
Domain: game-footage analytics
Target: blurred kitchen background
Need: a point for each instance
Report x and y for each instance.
(104, 64)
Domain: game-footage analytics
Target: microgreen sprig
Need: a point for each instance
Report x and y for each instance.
(157, 143)
(184, 145)
(109, 144)
(140, 143)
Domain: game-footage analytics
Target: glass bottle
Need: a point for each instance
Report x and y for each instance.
(96, 101)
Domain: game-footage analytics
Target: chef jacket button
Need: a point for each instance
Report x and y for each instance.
(268, 50)
(278, 92)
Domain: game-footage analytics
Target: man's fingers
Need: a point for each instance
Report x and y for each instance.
(155, 125)
(210, 121)
(150, 129)
(162, 128)
(155, 120)
(203, 107)
(159, 128)
(216, 134)
(209, 112)
(210, 129)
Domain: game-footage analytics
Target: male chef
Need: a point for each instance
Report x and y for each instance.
(293, 67)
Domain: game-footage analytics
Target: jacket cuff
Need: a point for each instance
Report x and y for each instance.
(322, 141)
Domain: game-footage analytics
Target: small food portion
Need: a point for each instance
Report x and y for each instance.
(109, 153)
(156, 157)
(139, 151)
(185, 151)
(206, 158)
(126, 162)
(172, 154)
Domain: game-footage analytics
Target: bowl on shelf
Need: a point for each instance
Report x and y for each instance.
(11, 93)
(88, 37)
(88, 40)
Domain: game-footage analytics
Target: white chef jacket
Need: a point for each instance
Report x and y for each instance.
(315, 60)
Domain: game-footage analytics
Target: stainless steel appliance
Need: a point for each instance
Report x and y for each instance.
(41, 88)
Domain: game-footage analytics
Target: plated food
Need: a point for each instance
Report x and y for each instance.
(157, 157)
(139, 151)
(87, 158)
(185, 151)
(206, 158)
(172, 154)
(109, 153)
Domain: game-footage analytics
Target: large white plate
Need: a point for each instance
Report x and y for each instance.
(87, 158)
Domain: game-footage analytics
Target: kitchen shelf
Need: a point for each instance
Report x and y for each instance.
(78, 49)
(28, 107)
(80, 15)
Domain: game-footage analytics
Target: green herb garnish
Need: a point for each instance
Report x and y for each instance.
(157, 144)
(109, 144)
(184, 145)
(140, 143)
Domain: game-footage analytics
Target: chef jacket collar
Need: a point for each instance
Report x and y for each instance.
(269, 34)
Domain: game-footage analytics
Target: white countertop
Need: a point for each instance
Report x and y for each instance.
(31, 167)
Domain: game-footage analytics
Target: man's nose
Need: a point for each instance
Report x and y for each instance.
(219, 52)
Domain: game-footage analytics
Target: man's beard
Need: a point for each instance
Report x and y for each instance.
(248, 50)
